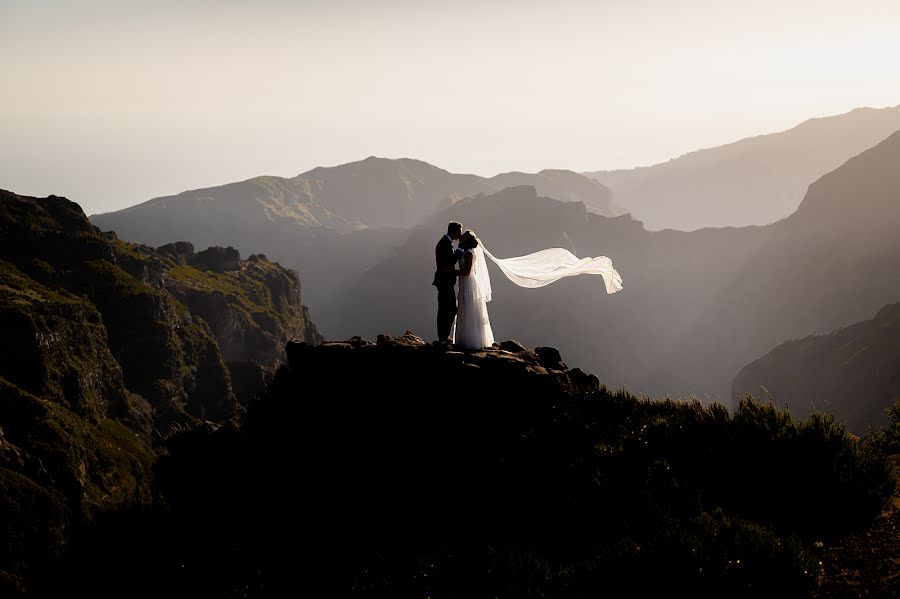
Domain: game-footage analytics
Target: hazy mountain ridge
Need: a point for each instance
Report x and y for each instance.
(853, 371)
(349, 216)
(382, 192)
(754, 181)
(563, 185)
(375, 192)
(235, 214)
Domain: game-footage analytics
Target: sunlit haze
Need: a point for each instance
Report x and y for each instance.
(112, 103)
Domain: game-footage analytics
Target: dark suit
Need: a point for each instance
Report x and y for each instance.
(445, 281)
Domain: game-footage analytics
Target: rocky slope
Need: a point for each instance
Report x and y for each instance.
(754, 181)
(252, 306)
(853, 371)
(58, 469)
(171, 318)
(108, 347)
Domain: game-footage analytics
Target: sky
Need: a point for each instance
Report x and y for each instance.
(111, 103)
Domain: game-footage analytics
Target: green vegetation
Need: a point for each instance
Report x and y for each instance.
(93, 465)
(245, 291)
(107, 282)
(887, 438)
(128, 250)
(58, 470)
(19, 290)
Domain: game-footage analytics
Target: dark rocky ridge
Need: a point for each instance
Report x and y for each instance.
(542, 366)
(107, 347)
(396, 468)
(253, 307)
(170, 319)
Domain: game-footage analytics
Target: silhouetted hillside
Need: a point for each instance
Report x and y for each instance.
(398, 469)
(853, 372)
(754, 181)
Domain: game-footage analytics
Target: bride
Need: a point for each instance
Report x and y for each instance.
(473, 327)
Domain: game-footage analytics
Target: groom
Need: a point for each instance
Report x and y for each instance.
(445, 280)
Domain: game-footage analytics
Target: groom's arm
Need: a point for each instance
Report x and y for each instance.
(457, 257)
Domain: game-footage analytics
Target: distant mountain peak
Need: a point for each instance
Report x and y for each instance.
(753, 181)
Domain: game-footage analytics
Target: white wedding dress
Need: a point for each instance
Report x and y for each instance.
(472, 329)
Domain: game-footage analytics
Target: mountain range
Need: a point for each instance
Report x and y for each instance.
(696, 306)
(151, 431)
(375, 193)
(331, 224)
(754, 181)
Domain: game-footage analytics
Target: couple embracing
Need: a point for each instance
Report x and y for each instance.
(468, 306)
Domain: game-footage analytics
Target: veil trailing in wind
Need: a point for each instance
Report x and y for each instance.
(544, 267)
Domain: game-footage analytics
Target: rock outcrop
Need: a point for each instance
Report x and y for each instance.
(542, 367)
(160, 331)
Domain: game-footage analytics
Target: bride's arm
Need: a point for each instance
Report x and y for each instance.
(466, 269)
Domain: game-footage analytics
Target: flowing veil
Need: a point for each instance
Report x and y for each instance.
(482, 276)
(542, 268)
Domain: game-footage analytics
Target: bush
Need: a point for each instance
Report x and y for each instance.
(887, 438)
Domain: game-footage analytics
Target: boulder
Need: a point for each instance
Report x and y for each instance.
(217, 259)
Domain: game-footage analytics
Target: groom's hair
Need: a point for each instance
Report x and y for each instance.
(454, 227)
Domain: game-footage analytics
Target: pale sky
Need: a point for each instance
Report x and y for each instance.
(111, 103)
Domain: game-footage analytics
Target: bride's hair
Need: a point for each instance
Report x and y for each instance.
(471, 240)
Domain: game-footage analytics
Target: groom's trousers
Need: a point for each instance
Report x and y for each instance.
(446, 310)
